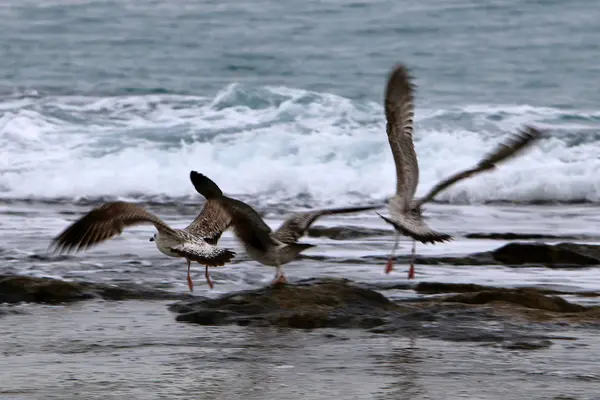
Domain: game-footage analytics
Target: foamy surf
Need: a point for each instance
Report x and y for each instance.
(278, 144)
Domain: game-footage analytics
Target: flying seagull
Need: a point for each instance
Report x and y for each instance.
(405, 211)
(272, 248)
(196, 242)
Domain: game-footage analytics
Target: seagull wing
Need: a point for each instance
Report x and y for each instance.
(399, 112)
(296, 225)
(511, 147)
(211, 222)
(102, 223)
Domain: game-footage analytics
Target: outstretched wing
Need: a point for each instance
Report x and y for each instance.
(211, 222)
(515, 144)
(103, 223)
(295, 226)
(399, 112)
(414, 226)
(204, 253)
(248, 225)
(221, 212)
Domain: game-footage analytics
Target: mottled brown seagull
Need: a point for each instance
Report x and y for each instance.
(405, 211)
(197, 242)
(262, 244)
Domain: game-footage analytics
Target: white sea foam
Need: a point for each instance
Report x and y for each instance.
(279, 143)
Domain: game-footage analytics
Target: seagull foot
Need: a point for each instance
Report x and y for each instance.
(280, 280)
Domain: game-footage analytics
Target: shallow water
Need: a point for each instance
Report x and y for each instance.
(132, 258)
(100, 349)
(134, 349)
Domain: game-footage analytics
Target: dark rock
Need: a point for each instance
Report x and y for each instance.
(549, 255)
(527, 345)
(480, 314)
(7, 310)
(309, 304)
(345, 232)
(524, 297)
(440, 287)
(16, 289)
(522, 254)
(515, 236)
(437, 287)
(472, 259)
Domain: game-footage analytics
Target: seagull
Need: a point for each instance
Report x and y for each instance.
(272, 248)
(405, 211)
(197, 242)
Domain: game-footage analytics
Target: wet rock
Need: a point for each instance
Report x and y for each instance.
(6, 310)
(345, 232)
(527, 345)
(309, 304)
(438, 287)
(529, 298)
(550, 255)
(472, 259)
(16, 289)
(523, 254)
(514, 236)
(480, 314)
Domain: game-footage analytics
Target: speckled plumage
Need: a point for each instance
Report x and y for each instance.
(194, 243)
(261, 243)
(405, 211)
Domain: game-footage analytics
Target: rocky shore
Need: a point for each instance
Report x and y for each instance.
(521, 317)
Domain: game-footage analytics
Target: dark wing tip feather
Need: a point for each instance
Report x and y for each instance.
(515, 144)
(205, 186)
(399, 81)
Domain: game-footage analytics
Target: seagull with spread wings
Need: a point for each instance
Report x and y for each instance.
(197, 242)
(272, 248)
(405, 211)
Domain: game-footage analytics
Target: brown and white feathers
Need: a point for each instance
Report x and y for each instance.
(405, 212)
(110, 219)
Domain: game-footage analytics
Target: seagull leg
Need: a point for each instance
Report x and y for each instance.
(390, 263)
(189, 278)
(208, 279)
(279, 276)
(411, 271)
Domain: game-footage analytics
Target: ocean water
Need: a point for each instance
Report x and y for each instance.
(283, 100)
(280, 103)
